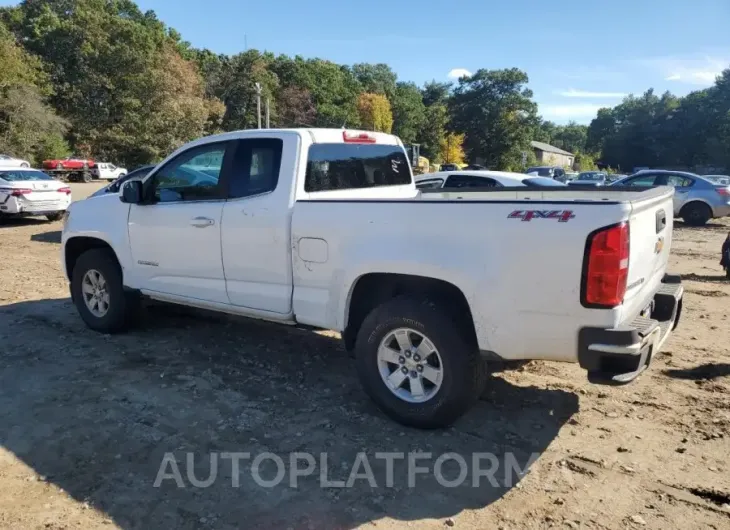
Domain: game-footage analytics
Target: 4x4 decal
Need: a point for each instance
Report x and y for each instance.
(563, 216)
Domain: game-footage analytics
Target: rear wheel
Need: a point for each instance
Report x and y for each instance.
(98, 292)
(696, 214)
(86, 176)
(416, 365)
(24, 164)
(57, 216)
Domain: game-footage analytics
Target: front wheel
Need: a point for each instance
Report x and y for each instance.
(98, 292)
(57, 216)
(416, 365)
(25, 164)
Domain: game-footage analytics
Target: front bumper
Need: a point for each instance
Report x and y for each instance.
(619, 355)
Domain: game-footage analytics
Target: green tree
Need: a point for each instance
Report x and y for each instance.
(29, 128)
(433, 131)
(409, 112)
(376, 78)
(434, 93)
(496, 112)
(333, 88)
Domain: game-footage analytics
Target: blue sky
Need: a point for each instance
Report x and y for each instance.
(579, 54)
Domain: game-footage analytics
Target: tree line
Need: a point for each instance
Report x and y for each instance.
(102, 78)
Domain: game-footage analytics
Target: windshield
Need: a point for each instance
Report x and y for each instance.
(541, 171)
(21, 176)
(592, 175)
(542, 182)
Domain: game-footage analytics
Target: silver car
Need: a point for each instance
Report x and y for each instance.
(696, 200)
(723, 180)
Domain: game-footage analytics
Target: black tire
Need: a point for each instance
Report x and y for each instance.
(464, 371)
(54, 216)
(24, 165)
(696, 214)
(86, 176)
(123, 305)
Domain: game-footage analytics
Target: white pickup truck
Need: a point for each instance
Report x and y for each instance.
(325, 228)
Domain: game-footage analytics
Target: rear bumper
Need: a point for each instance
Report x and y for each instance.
(721, 211)
(619, 355)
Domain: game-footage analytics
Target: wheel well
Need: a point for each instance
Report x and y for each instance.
(694, 203)
(372, 290)
(77, 246)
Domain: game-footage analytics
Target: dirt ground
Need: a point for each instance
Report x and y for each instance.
(86, 420)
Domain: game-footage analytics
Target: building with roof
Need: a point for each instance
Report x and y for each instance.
(549, 155)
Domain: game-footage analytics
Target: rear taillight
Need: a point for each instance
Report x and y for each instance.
(67, 190)
(16, 192)
(725, 192)
(606, 267)
(357, 138)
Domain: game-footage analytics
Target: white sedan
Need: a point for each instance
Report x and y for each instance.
(29, 192)
(482, 179)
(9, 161)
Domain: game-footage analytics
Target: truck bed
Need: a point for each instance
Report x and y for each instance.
(557, 195)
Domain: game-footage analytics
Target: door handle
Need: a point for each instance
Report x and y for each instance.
(201, 222)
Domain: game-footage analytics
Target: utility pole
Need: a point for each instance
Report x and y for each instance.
(268, 123)
(258, 102)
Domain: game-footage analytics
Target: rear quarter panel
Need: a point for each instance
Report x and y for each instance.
(522, 279)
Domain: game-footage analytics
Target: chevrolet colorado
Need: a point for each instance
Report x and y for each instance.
(326, 228)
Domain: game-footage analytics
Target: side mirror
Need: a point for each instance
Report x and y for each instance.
(131, 192)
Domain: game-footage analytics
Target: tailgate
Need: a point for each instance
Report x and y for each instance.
(650, 237)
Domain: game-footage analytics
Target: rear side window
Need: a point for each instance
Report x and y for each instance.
(679, 181)
(468, 181)
(256, 167)
(352, 166)
(645, 181)
(429, 184)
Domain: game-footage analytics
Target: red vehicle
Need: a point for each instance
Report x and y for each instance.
(71, 162)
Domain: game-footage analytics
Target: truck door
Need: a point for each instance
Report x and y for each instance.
(256, 226)
(176, 239)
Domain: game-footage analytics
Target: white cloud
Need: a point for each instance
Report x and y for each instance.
(573, 93)
(578, 112)
(693, 70)
(458, 73)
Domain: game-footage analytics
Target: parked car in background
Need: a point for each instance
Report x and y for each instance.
(590, 178)
(696, 200)
(71, 162)
(449, 167)
(106, 171)
(613, 177)
(113, 187)
(723, 180)
(325, 228)
(481, 179)
(9, 161)
(30, 192)
(552, 172)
